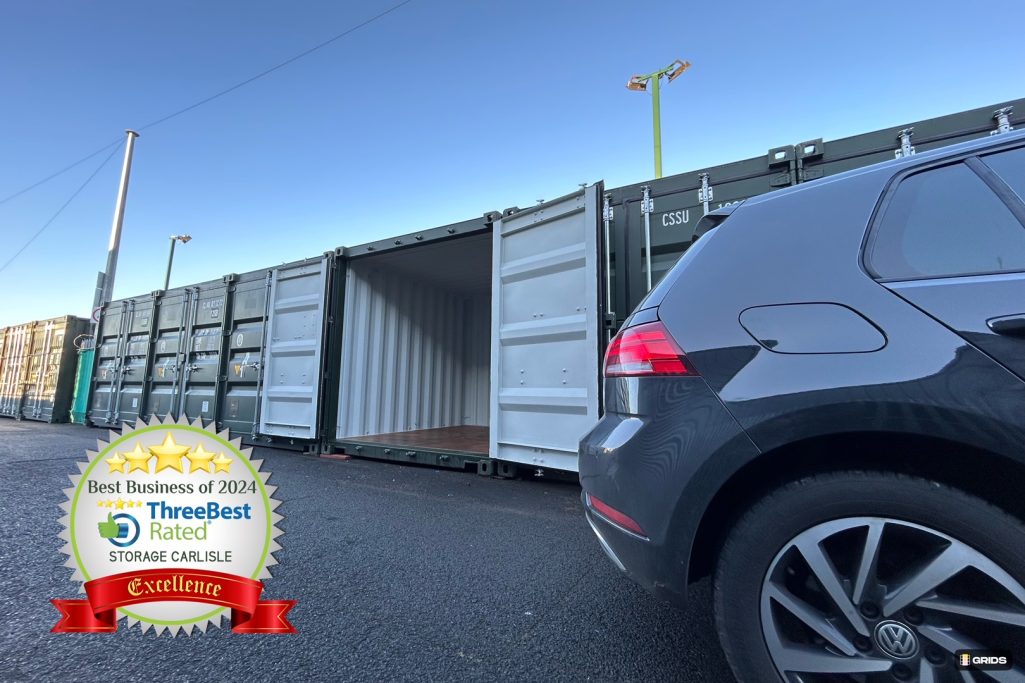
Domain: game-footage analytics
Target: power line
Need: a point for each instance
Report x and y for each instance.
(60, 210)
(277, 66)
(60, 172)
(215, 96)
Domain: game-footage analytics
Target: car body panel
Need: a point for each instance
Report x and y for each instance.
(656, 429)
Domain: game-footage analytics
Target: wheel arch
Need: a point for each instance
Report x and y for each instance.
(995, 477)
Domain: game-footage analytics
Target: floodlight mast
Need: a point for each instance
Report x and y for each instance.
(640, 82)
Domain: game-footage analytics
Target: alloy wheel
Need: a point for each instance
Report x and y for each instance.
(875, 599)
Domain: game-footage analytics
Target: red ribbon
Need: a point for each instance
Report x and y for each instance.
(98, 613)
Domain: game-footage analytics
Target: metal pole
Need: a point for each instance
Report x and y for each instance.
(119, 217)
(657, 123)
(170, 259)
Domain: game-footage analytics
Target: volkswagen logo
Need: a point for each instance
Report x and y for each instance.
(896, 639)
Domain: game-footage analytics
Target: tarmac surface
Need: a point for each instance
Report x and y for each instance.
(400, 573)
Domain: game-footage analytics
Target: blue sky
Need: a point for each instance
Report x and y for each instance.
(438, 112)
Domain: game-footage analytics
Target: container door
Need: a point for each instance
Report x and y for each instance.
(545, 330)
(292, 354)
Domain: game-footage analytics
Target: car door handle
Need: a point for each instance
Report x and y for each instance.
(1008, 325)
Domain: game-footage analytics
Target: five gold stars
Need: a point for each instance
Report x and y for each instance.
(119, 504)
(169, 456)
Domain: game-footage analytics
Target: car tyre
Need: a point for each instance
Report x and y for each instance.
(788, 526)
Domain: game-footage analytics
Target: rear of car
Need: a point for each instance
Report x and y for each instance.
(661, 421)
(821, 406)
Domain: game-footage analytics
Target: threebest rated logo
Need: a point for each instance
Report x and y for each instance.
(984, 660)
(171, 526)
(122, 530)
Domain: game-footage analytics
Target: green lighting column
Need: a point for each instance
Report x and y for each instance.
(640, 82)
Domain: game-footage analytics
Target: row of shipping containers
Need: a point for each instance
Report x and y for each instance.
(38, 362)
(477, 343)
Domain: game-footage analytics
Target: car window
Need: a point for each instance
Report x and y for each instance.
(946, 222)
(1010, 166)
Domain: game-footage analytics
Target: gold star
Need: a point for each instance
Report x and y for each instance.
(138, 503)
(120, 504)
(117, 463)
(199, 459)
(99, 504)
(221, 463)
(137, 459)
(169, 454)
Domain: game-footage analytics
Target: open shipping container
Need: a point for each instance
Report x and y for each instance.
(37, 368)
(244, 352)
(472, 343)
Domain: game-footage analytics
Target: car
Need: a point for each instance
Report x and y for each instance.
(822, 407)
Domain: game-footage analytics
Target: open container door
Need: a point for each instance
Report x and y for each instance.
(292, 353)
(545, 330)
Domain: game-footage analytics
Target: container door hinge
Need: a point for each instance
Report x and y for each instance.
(906, 148)
(705, 194)
(1003, 119)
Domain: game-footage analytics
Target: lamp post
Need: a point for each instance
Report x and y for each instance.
(640, 82)
(170, 257)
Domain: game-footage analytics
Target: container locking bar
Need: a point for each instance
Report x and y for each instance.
(647, 207)
(607, 214)
(705, 194)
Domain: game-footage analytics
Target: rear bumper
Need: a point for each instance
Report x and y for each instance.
(653, 457)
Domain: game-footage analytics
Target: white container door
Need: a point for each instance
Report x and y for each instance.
(545, 331)
(291, 357)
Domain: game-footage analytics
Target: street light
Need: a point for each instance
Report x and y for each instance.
(640, 82)
(170, 257)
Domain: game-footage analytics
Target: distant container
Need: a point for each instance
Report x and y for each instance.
(243, 352)
(37, 368)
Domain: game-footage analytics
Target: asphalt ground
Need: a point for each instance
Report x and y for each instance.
(400, 573)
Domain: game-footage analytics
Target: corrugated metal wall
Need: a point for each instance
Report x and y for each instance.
(414, 355)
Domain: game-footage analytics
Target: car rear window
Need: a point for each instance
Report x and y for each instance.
(945, 222)
(1010, 166)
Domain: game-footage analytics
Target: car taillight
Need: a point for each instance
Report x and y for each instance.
(646, 350)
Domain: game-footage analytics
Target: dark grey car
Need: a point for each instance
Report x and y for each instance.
(822, 405)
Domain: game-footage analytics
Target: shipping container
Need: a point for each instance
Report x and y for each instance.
(650, 224)
(37, 368)
(476, 343)
(243, 351)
